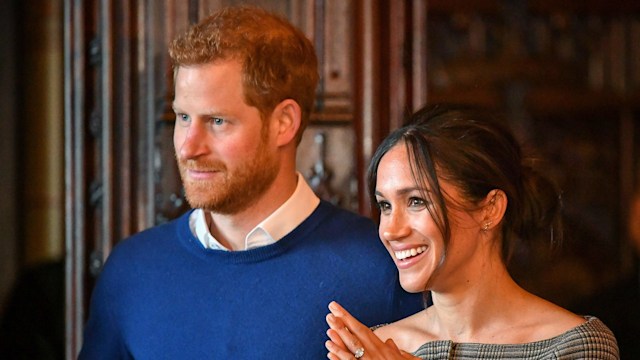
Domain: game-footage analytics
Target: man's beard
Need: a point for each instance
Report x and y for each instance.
(232, 191)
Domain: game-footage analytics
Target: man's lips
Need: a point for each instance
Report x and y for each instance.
(200, 174)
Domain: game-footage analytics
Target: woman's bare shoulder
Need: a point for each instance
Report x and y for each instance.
(555, 320)
(543, 320)
(408, 333)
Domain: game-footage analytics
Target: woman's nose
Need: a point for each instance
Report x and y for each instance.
(394, 226)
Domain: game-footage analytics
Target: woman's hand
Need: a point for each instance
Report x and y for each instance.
(351, 339)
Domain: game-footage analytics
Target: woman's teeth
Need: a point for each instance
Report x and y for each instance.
(403, 254)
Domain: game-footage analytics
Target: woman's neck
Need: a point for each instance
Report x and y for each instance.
(476, 308)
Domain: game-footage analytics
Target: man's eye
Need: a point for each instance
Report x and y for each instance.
(182, 118)
(217, 121)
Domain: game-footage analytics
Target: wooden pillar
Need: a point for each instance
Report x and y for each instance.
(370, 104)
(75, 194)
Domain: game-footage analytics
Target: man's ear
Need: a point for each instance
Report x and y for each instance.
(494, 206)
(286, 119)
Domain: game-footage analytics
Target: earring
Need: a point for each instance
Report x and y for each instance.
(486, 225)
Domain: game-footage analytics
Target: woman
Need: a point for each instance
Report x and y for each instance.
(455, 195)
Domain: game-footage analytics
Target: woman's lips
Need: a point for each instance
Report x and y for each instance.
(408, 257)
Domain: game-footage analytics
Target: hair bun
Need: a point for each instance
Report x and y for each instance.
(541, 207)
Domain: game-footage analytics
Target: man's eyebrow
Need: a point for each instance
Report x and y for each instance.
(207, 113)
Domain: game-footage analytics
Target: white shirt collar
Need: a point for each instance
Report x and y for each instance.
(282, 221)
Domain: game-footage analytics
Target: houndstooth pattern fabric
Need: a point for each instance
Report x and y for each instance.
(591, 340)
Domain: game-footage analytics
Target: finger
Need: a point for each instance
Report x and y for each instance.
(333, 332)
(345, 339)
(337, 352)
(350, 322)
(392, 344)
(350, 342)
(335, 337)
(335, 322)
(357, 335)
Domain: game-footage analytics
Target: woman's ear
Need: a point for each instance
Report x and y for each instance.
(286, 118)
(493, 206)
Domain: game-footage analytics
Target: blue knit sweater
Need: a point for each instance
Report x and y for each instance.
(162, 295)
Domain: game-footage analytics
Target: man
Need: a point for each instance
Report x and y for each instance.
(249, 273)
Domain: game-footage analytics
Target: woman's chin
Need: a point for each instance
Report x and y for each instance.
(412, 286)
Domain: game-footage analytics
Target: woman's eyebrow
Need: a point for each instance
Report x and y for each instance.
(406, 190)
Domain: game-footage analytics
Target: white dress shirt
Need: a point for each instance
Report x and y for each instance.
(282, 221)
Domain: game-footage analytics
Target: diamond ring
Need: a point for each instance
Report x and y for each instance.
(359, 353)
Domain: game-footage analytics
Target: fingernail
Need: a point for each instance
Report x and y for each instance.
(331, 318)
(329, 345)
(335, 308)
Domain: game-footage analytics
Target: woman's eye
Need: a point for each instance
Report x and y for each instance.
(384, 206)
(417, 202)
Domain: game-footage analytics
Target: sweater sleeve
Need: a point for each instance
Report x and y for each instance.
(102, 337)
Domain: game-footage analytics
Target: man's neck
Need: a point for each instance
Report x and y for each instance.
(231, 230)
